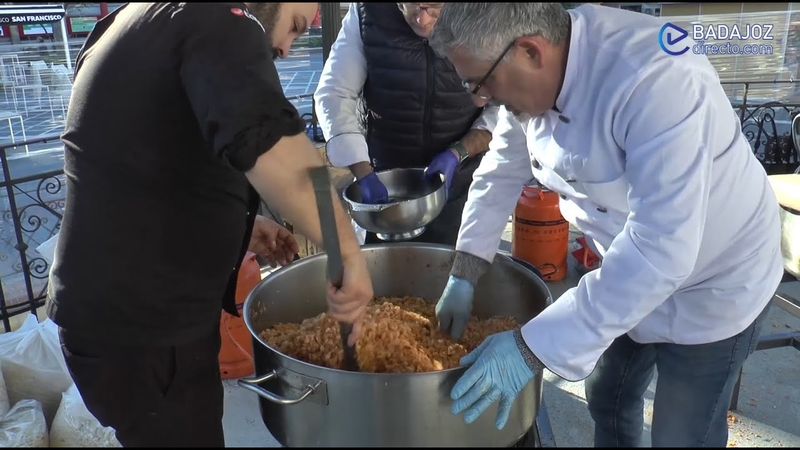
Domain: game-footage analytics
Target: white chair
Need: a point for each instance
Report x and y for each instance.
(36, 85)
(60, 88)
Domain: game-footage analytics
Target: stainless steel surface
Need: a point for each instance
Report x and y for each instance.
(323, 192)
(415, 203)
(790, 241)
(402, 236)
(384, 410)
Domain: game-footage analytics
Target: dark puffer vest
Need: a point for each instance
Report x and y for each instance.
(415, 105)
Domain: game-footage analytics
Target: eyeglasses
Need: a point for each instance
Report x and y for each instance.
(414, 9)
(488, 74)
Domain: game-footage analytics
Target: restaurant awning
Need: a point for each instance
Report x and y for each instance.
(37, 14)
(30, 14)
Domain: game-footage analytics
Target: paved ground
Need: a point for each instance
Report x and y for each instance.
(766, 416)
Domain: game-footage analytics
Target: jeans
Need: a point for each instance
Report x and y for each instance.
(693, 391)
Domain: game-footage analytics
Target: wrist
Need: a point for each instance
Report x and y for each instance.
(469, 267)
(360, 169)
(530, 359)
(460, 151)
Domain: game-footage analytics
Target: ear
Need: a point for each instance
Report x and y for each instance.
(532, 48)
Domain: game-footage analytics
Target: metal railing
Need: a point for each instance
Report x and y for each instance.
(766, 110)
(33, 203)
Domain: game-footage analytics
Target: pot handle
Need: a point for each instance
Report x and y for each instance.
(524, 264)
(252, 384)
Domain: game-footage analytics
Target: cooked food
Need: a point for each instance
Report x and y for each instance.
(400, 336)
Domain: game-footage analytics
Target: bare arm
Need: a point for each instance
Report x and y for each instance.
(476, 141)
(281, 178)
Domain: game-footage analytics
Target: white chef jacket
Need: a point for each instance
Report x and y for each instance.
(338, 93)
(651, 164)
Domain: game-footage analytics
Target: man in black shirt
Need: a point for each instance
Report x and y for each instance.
(176, 125)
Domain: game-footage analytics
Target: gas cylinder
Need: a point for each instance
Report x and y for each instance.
(540, 235)
(236, 349)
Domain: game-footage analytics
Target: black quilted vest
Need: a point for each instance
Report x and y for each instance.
(414, 103)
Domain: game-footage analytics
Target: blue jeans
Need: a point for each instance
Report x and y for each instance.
(693, 391)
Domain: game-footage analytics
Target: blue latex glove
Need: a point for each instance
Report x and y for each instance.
(372, 190)
(498, 372)
(444, 163)
(454, 307)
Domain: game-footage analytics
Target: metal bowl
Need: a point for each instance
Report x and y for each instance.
(414, 203)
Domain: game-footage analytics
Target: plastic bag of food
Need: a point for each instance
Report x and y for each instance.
(33, 365)
(5, 405)
(75, 426)
(24, 426)
(48, 249)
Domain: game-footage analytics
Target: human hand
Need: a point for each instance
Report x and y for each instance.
(454, 307)
(273, 242)
(372, 189)
(444, 163)
(349, 303)
(498, 371)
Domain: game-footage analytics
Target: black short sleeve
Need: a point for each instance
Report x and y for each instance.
(229, 75)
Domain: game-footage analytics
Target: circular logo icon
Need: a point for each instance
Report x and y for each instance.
(669, 38)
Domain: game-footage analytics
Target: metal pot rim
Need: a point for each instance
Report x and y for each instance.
(251, 298)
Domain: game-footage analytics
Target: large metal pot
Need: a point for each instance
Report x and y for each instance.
(305, 405)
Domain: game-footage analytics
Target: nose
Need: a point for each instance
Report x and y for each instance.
(424, 19)
(283, 50)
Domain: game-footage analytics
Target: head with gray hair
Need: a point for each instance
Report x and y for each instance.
(509, 53)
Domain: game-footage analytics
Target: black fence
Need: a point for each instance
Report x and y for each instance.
(33, 204)
(32, 208)
(766, 111)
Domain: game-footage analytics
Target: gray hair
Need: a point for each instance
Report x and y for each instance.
(485, 29)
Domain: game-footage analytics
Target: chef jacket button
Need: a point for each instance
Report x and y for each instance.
(601, 209)
(563, 197)
(563, 119)
(536, 164)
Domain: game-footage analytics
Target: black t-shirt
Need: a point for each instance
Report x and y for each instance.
(171, 104)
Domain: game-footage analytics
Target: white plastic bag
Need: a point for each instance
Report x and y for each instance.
(5, 405)
(75, 426)
(48, 249)
(361, 234)
(24, 426)
(33, 365)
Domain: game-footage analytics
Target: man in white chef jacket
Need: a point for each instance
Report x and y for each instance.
(651, 164)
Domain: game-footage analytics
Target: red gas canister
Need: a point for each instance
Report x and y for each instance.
(540, 235)
(236, 351)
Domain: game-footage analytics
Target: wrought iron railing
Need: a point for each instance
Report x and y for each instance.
(32, 205)
(766, 111)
